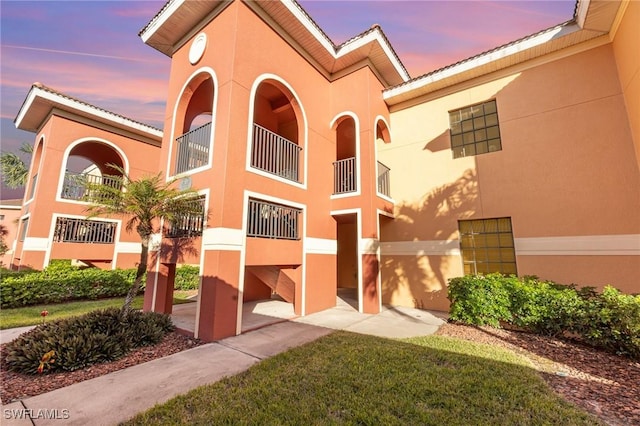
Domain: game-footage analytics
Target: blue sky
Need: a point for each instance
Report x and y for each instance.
(91, 49)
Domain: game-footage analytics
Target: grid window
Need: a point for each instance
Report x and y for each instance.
(474, 130)
(487, 246)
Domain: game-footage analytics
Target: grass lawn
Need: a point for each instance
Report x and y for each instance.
(30, 315)
(348, 378)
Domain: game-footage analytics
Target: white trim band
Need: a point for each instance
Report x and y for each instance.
(128, 247)
(222, 239)
(35, 244)
(421, 248)
(320, 246)
(588, 245)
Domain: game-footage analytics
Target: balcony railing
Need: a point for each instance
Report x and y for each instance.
(384, 186)
(270, 220)
(69, 230)
(189, 225)
(193, 149)
(75, 184)
(274, 154)
(344, 176)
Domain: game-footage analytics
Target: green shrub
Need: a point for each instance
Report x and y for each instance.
(60, 284)
(609, 320)
(187, 277)
(78, 342)
(479, 300)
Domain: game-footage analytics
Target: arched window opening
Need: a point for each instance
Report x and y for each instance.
(345, 166)
(195, 121)
(275, 145)
(384, 178)
(90, 163)
(35, 166)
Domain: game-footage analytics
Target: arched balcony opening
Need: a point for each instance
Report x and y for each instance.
(384, 180)
(345, 176)
(194, 124)
(276, 147)
(90, 162)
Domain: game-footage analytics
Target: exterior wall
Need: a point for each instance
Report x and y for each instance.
(626, 49)
(57, 137)
(10, 216)
(566, 173)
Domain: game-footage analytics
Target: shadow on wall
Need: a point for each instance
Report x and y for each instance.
(418, 277)
(178, 250)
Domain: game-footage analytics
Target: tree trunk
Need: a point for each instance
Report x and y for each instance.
(135, 288)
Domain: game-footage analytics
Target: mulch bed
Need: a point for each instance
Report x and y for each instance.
(603, 384)
(16, 386)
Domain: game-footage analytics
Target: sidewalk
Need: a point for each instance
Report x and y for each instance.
(120, 395)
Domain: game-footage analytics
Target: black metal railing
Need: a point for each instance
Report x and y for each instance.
(69, 230)
(271, 220)
(384, 185)
(189, 225)
(193, 148)
(344, 176)
(274, 154)
(75, 185)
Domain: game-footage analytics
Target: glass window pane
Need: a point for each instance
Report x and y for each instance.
(493, 132)
(468, 269)
(493, 240)
(477, 110)
(491, 120)
(504, 224)
(468, 138)
(493, 255)
(470, 150)
(509, 269)
(480, 135)
(465, 226)
(478, 123)
(482, 148)
(467, 126)
(454, 117)
(456, 140)
(458, 152)
(466, 241)
(490, 107)
(506, 240)
(507, 255)
(478, 226)
(494, 145)
(456, 128)
(465, 113)
(491, 225)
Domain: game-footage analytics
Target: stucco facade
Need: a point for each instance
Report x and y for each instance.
(324, 167)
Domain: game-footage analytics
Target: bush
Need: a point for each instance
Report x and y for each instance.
(78, 342)
(610, 320)
(60, 283)
(187, 277)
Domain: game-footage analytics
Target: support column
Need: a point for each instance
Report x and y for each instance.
(158, 293)
(370, 297)
(219, 295)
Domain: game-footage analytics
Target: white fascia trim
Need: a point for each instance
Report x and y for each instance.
(369, 245)
(6, 207)
(161, 19)
(588, 245)
(420, 248)
(320, 246)
(560, 30)
(35, 244)
(96, 112)
(222, 239)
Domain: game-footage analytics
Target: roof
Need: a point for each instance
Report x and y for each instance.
(179, 20)
(13, 204)
(41, 101)
(592, 19)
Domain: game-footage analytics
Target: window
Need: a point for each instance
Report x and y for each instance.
(270, 220)
(475, 130)
(70, 230)
(23, 231)
(189, 225)
(487, 246)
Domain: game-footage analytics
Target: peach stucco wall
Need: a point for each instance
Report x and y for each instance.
(626, 49)
(567, 168)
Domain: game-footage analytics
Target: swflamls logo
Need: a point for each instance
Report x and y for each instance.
(41, 413)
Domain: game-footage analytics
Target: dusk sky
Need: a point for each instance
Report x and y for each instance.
(91, 50)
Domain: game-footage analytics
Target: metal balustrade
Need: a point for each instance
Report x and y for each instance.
(75, 184)
(274, 154)
(193, 149)
(270, 220)
(344, 176)
(189, 225)
(384, 185)
(69, 230)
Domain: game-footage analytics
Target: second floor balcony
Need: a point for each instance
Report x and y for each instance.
(76, 185)
(274, 154)
(344, 176)
(193, 149)
(384, 184)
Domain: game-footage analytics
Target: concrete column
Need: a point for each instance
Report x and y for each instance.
(160, 284)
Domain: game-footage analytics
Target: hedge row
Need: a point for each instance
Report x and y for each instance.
(609, 320)
(77, 342)
(61, 282)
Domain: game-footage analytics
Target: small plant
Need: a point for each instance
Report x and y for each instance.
(44, 314)
(46, 361)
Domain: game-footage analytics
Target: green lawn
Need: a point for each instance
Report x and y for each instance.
(347, 378)
(30, 315)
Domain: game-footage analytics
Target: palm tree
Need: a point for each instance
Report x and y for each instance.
(144, 202)
(14, 170)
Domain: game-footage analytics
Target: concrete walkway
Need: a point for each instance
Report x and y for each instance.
(118, 396)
